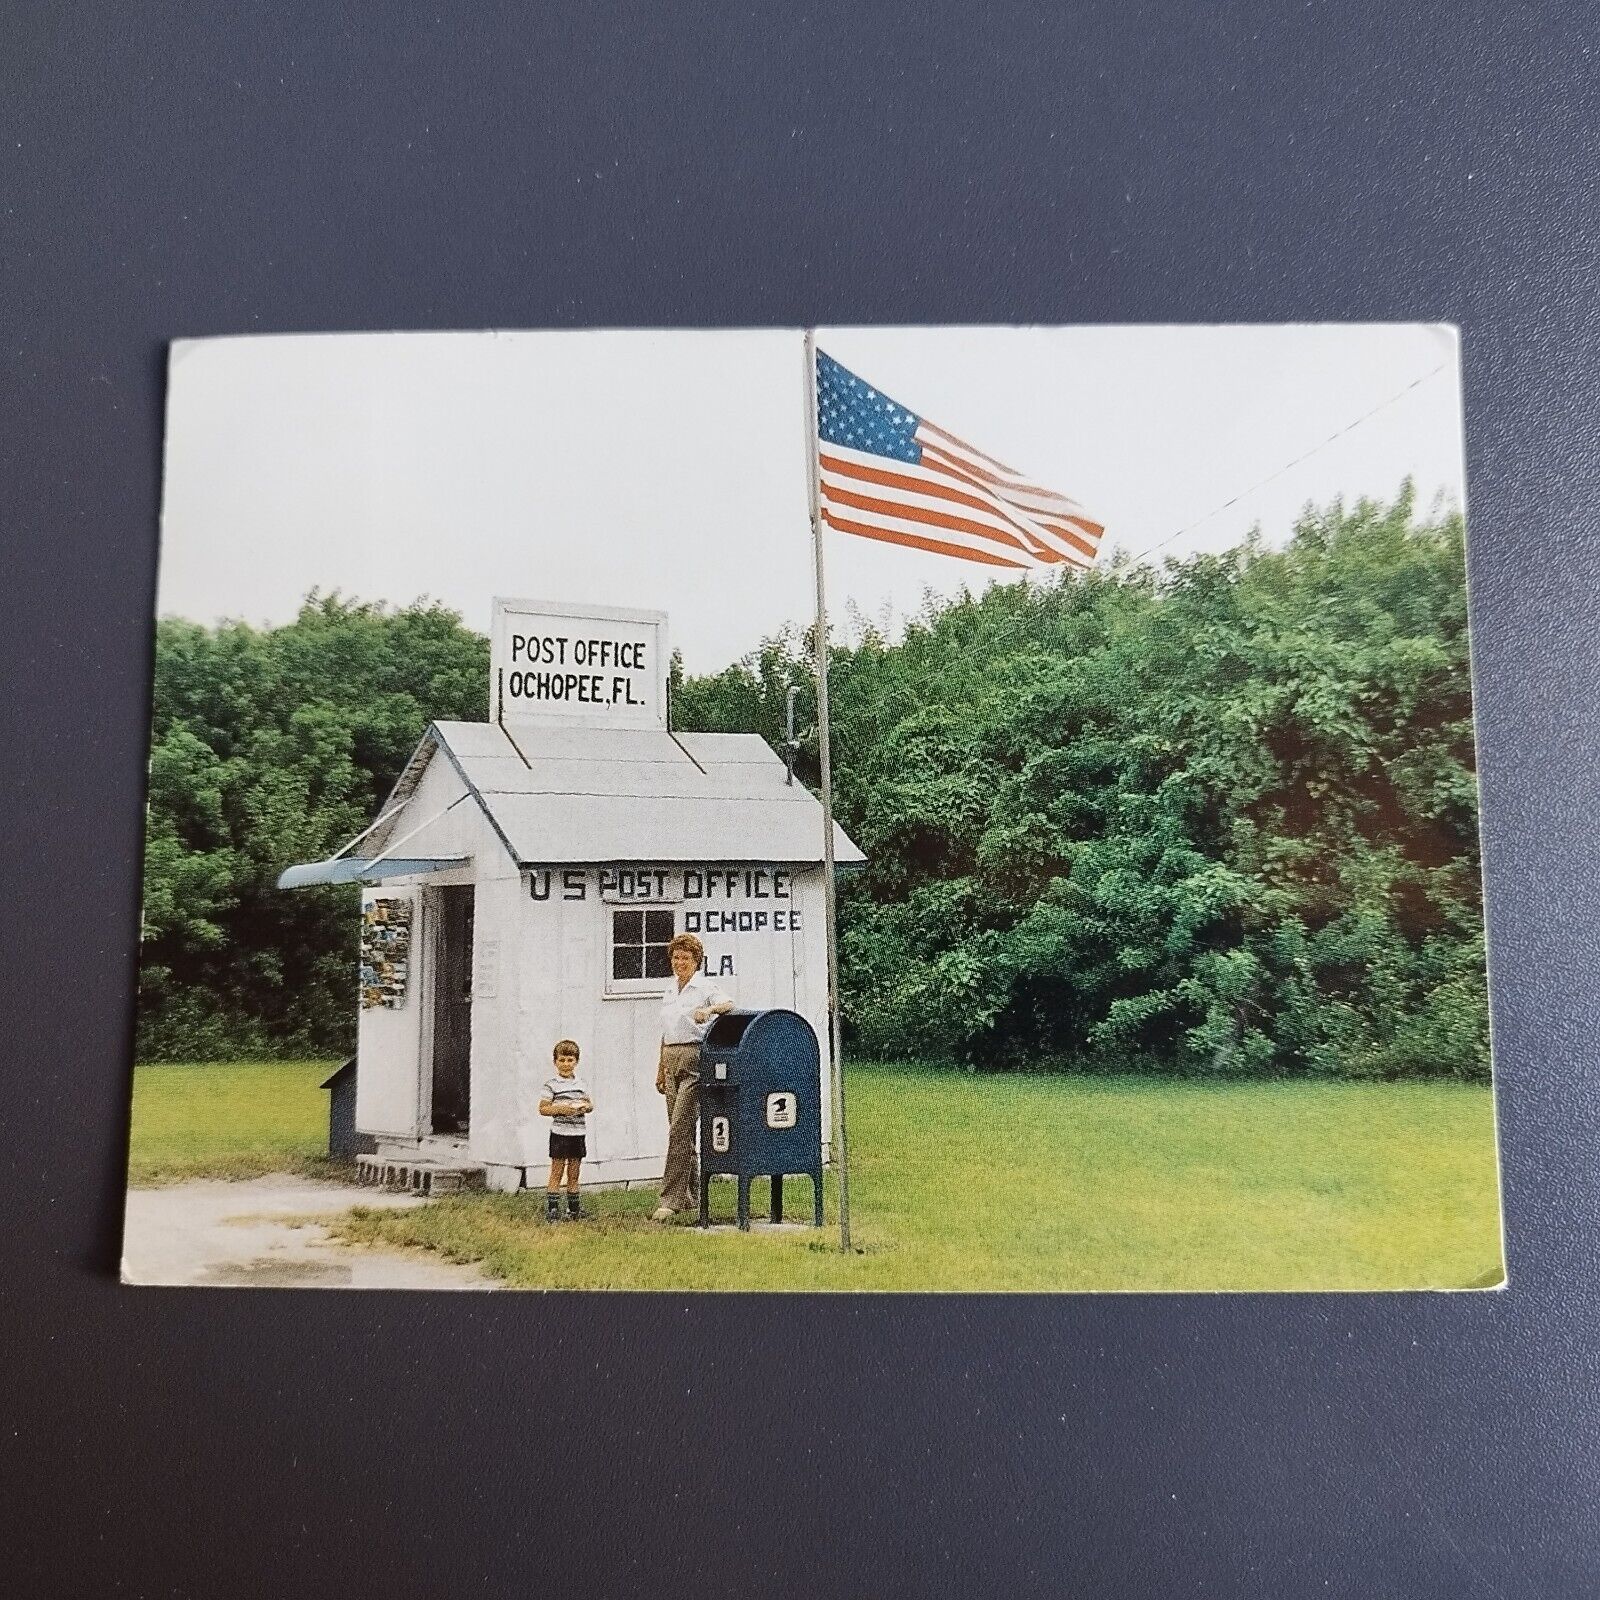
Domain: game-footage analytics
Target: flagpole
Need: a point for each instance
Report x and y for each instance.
(830, 907)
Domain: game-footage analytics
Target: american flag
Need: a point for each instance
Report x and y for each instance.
(886, 473)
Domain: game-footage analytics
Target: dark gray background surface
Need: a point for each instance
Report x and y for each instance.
(185, 169)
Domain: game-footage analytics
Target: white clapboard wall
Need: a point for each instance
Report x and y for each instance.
(542, 931)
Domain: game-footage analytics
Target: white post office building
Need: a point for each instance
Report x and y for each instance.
(521, 884)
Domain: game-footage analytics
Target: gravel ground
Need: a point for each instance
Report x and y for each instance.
(255, 1234)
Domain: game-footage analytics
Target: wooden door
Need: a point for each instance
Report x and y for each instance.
(452, 1012)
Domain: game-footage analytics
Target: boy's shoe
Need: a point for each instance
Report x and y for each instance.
(663, 1214)
(574, 1211)
(552, 1208)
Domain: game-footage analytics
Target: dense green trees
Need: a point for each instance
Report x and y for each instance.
(1220, 819)
(1217, 820)
(269, 748)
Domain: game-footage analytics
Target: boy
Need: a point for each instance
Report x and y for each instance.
(566, 1101)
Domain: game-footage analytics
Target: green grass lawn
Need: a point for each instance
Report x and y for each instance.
(236, 1119)
(970, 1182)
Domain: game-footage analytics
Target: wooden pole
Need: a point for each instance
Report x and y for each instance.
(830, 907)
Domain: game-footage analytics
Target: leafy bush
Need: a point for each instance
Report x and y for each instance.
(1217, 820)
(270, 747)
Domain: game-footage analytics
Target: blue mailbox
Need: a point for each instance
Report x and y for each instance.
(760, 1106)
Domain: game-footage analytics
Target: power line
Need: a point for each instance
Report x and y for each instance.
(1288, 466)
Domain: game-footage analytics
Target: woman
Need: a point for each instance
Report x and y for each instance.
(686, 1012)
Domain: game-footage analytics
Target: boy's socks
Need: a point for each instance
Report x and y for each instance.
(552, 1205)
(573, 1212)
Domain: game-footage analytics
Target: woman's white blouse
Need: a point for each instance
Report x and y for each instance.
(678, 1007)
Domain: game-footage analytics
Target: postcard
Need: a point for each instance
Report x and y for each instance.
(871, 809)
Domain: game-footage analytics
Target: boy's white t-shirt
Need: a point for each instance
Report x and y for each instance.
(571, 1089)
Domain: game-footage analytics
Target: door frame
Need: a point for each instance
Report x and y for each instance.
(434, 897)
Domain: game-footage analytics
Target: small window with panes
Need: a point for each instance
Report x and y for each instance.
(639, 960)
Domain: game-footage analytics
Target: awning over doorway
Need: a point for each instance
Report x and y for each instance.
(355, 869)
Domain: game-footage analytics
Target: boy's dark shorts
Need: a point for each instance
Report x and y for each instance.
(566, 1146)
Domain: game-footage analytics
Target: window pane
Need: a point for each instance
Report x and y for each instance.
(658, 927)
(627, 927)
(627, 962)
(656, 962)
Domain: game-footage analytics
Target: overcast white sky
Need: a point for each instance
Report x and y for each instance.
(666, 470)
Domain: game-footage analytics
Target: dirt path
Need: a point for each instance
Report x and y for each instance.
(254, 1234)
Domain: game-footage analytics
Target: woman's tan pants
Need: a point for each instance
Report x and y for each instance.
(680, 1069)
